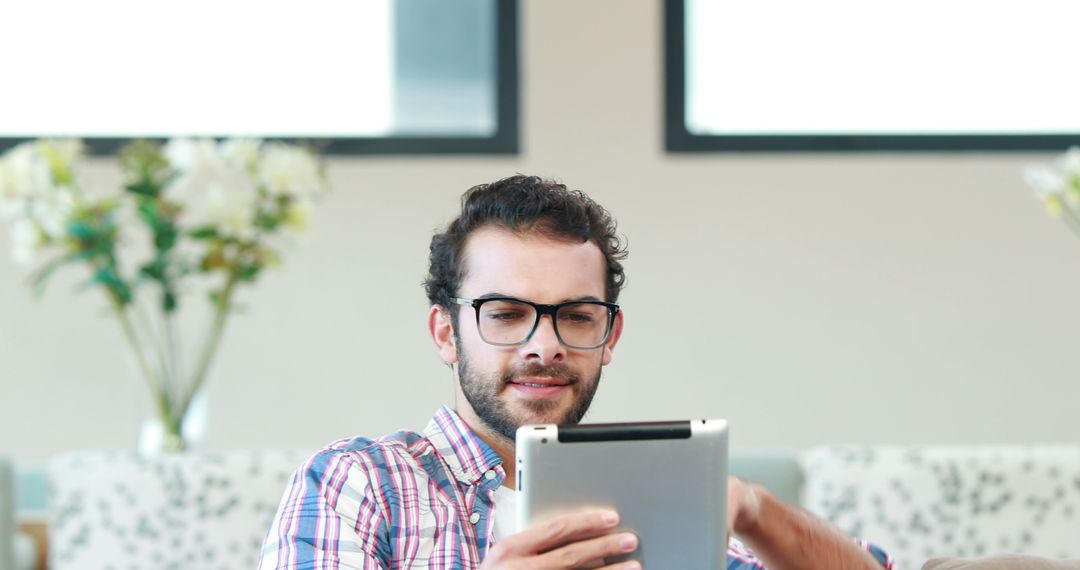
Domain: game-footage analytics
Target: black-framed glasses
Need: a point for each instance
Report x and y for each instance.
(506, 321)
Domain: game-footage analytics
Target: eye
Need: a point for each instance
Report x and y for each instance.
(576, 318)
(506, 311)
(504, 316)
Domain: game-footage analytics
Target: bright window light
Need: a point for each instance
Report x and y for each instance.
(199, 67)
(937, 67)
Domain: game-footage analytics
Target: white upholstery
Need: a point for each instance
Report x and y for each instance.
(189, 510)
(211, 510)
(925, 502)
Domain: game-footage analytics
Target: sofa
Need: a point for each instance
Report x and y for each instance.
(967, 501)
(7, 515)
(210, 509)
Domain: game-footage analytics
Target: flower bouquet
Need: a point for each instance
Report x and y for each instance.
(192, 215)
(1058, 187)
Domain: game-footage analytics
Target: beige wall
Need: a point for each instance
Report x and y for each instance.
(808, 298)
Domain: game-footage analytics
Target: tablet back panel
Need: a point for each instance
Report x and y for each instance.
(667, 480)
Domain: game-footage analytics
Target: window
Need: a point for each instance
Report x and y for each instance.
(369, 76)
(787, 75)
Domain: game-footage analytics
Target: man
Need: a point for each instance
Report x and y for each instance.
(523, 286)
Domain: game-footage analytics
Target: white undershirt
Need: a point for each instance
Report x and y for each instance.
(505, 512)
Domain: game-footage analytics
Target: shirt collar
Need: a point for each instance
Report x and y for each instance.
(466, 454)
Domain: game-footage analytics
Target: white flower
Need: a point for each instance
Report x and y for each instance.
(25, 241)
(67, 151)
(298, 217)
(28, 175)
(52, 211)
(1070, 161)
(11, 202)
(1072, 199)
(193, 162)
(243, 153)
(230, 207)
(180, 152)
(25, 174)
(291, 170)
(61, 156)
(1045, 181)
(212, 190)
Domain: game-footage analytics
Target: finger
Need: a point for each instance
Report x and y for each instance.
(628, 565)
(734, 503)
(744, 505)
(578, 554)
(623, 565)
(560, 530)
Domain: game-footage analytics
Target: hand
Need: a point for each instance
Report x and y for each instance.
(743, 506)
(786, 537)
(567, 542)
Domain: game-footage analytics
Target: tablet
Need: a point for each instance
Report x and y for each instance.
(667, 481)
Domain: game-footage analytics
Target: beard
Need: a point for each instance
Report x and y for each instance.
(482, 392)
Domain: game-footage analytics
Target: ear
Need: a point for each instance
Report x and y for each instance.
(442, 333)
(616, 332)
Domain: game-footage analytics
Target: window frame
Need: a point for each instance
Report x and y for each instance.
(504, 141)
(678, 139)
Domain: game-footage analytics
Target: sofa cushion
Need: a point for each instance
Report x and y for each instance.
(185, 510)
(1001, 562)
(925, 502)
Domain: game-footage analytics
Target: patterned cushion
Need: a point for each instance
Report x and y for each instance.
(1001, 562)
(188, 510)
(924, 502)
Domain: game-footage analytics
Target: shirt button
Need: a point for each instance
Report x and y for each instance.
(474, 518)
(490, 474)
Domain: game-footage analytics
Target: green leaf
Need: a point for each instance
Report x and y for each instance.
(82, 255)
(165, 238)
(81, 230)
(154, 270)
(142, 161)
(248, 273)
(144, 187)
(148, 211)
(208, 232)
(164, 230)
(168, 301)
(267, 222)
(110, 279)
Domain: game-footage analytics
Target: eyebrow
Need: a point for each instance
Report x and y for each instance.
(496, 294)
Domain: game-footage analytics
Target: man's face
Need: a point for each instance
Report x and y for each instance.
(540, 381)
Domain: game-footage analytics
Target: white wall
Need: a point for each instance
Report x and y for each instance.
(808, 298)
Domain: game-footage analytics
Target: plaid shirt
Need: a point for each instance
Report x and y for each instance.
(407, 500)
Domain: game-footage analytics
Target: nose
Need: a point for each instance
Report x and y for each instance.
(544, 346)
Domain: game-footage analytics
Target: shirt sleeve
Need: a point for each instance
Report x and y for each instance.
(882, 557)
(328, 519)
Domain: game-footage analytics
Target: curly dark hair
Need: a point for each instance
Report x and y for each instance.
(524, 204)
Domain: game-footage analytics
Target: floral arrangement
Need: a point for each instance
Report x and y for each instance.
(1058, 187)
(190, 213)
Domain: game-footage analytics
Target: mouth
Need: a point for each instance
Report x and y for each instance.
(539, 386)
(540, 381)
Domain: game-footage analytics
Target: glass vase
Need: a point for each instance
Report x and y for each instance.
(157, 435)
